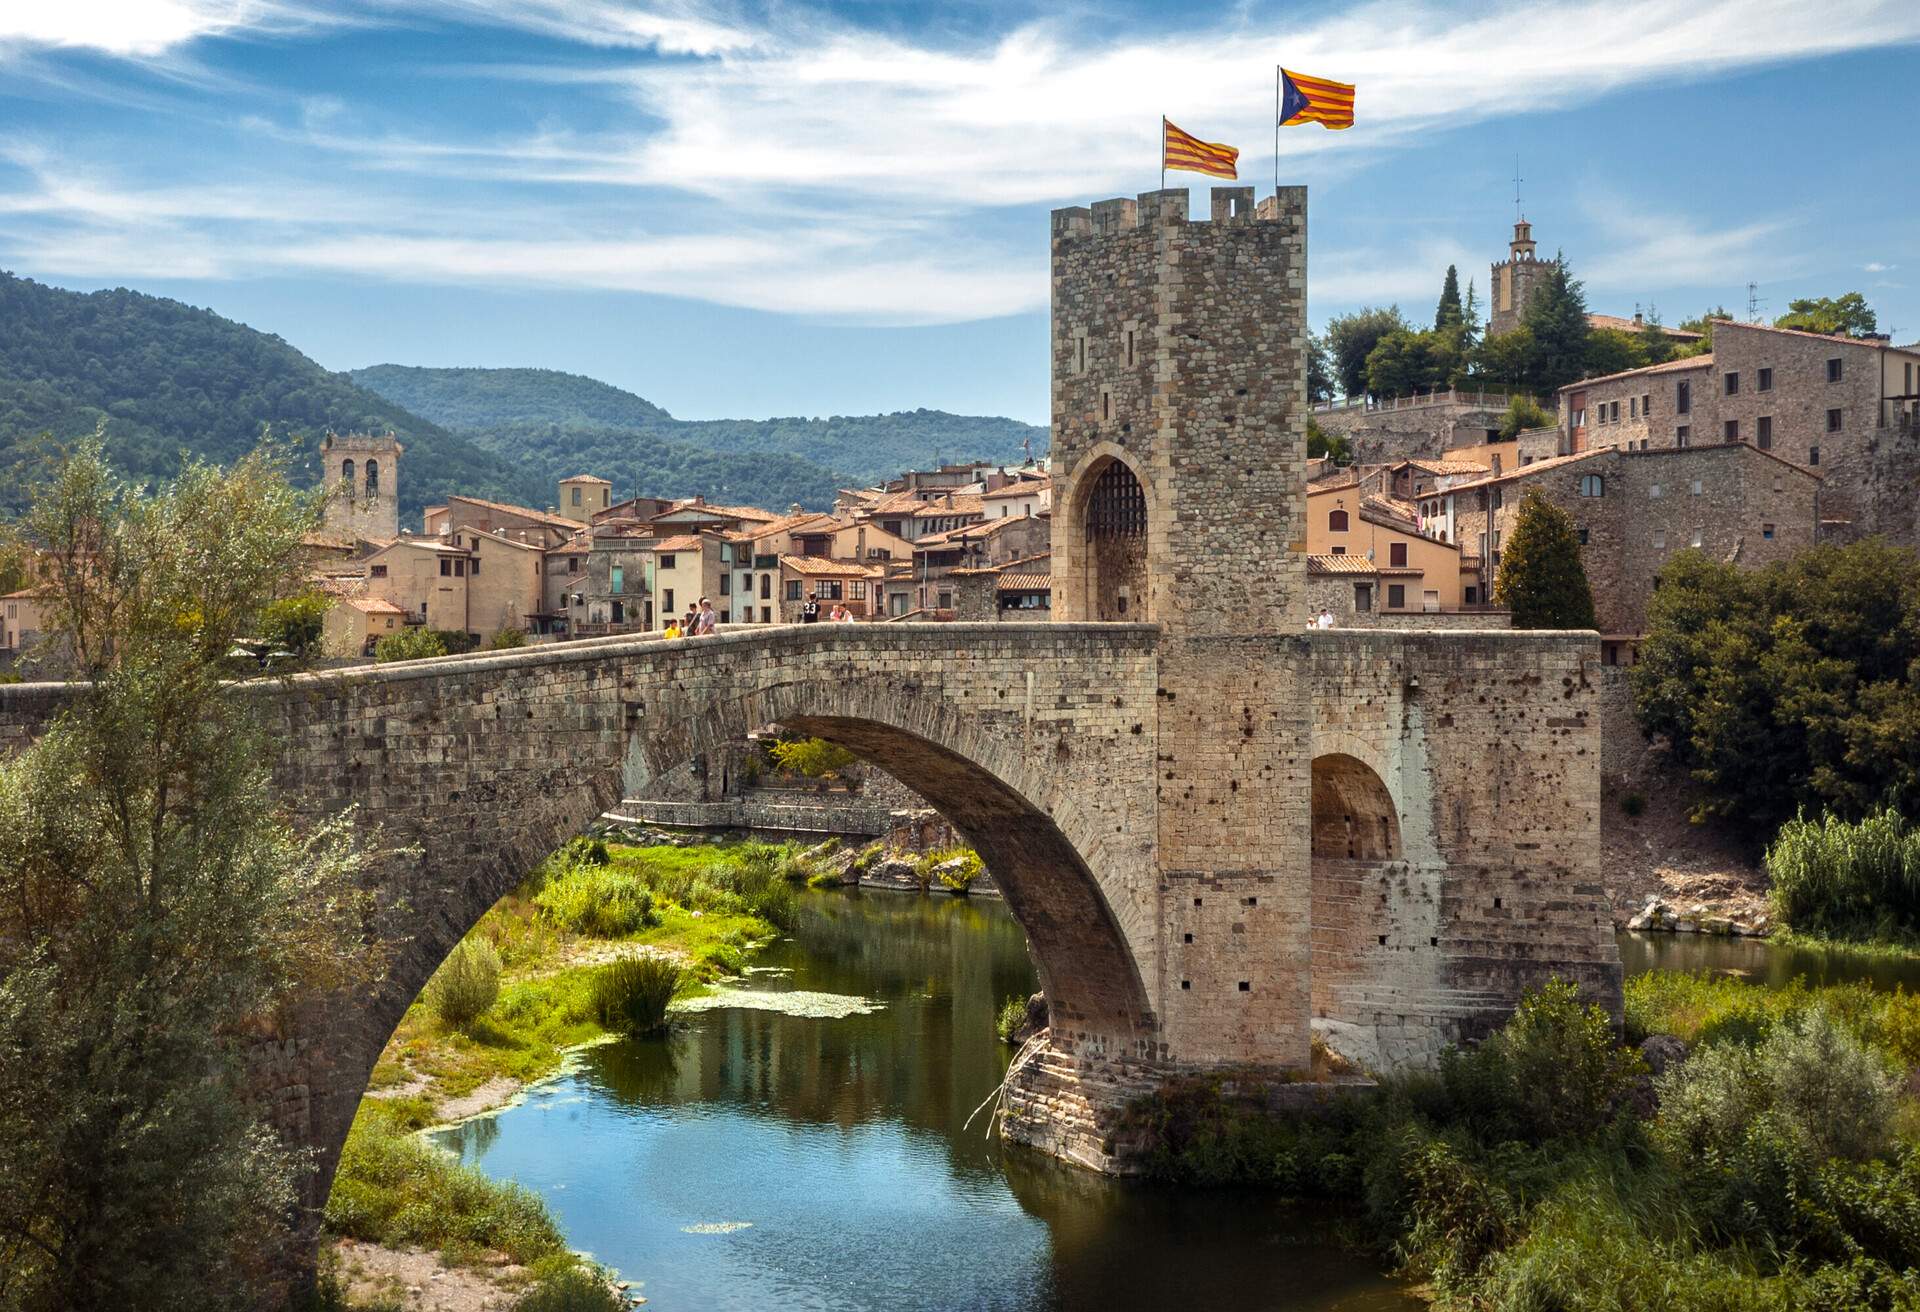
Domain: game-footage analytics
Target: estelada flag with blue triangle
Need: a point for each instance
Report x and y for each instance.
(1306, 100)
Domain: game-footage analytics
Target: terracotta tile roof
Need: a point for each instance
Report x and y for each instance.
(1670, 367)
(679, 542)
(1024, 487)
(588, 478)
(1334, 482)
(1426, 466)
(1538, 467)
(1617, 324)
(826, 567)
(912, 503)
(1841, 338)
(525, 512)
(1339, 565)
(753, 513)
(1395, 514)
(1024, 583)
(1026, 563)
(373, 605)
(31, 594)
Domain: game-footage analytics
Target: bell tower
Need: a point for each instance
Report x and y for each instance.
(362, 474)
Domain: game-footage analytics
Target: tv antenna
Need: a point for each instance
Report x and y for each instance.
(1753, 302)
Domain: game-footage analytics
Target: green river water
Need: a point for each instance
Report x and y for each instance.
(770, 1156)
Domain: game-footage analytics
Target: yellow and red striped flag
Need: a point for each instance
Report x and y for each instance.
(1306, 100)
(1183, 150)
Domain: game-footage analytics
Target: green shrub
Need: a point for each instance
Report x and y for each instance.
(293, 624)
(1847, 880)
(630, 996)
(571, 1289)
(971, 868)
(813, 757)
(1012, 1015)
(467, 983)
(391, 1188)
(507, 640)
(413, 643)
(598, 901)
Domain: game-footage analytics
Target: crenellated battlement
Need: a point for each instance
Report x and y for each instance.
(1170, 208)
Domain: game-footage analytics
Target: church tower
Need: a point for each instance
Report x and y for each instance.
(363, 474)
(1513, 281)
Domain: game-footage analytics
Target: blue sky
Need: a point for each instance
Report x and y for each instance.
(787, 208)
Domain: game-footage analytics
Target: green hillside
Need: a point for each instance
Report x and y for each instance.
(497, 407)
(166, 377)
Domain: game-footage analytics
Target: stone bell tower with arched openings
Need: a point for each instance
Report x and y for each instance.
(1179, 438)
(363, 474)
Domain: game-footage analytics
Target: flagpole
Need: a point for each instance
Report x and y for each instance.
(1163, 152)
(1276, 129)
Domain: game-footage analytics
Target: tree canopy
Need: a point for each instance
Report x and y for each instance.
(1350, 340)
(1556, 317)
(1793, 685)
(1847, 315)
(1541, 580)
(1450, 313)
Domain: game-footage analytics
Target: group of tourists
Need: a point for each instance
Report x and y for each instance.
(694, 624)
(810, 611)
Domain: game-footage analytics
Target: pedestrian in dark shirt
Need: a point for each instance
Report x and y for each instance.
(810, 613)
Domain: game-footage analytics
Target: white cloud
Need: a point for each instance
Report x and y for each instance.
(1875, 266)
(796, 163)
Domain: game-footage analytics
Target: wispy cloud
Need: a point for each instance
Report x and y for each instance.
(793, 161)
(1875, 266)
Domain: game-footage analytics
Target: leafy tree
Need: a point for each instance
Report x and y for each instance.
(1704, 326)
(293, 624)
(1522, 413)
(812, 757)
(1541, 580)
(1450, 313)
(156, 908)
(413, 643)
(1791, 686)
(1321, 443)
(1470, 320)
(1611, 351)
(1557, 318)
(1847, 315)
(507, 639)
(1320, 378)
(1404, 362)
(1350, 339)
(1507, 358)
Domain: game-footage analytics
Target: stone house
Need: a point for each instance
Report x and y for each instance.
(852, 583)
(983, 544)
(1410, 570)
(694, 515)
(537, 528)
(583, 496)
(354, 624)
(1023, 495)
(1634, 509)
(1846, 407)
(23, 618)
(1019, 590)
(917, 513)
(687, 567)
(465, 582)
(612, 591)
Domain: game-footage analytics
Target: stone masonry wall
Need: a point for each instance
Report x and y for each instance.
(1378, 436)
(1489, 743)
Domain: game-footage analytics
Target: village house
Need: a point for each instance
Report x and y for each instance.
(23, 618)
(1406, 569)
(1846, 407)
(1020, 495)
(475, 515)
(1632, 510)
(852, 583)
(687, 567)
(583, 496)
(354, 625)
(1019, 590)
(612, 591)
(464, 582)
(915, 514)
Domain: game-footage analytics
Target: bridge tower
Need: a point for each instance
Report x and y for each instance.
(1179, 436)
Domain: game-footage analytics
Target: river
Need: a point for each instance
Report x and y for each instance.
(758, 1159)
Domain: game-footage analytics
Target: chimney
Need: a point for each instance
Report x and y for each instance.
(1638, 322)
(796, 509)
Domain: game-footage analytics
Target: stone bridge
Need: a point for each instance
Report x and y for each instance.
(1385, 835)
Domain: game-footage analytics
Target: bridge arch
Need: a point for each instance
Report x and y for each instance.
(475, 768)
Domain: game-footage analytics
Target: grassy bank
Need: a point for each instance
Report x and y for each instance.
(539, 958)
(705, 907)
(1776, 1166)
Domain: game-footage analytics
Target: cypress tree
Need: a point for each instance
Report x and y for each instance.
(1557, 317)
(1541, 579)
(1450, 313)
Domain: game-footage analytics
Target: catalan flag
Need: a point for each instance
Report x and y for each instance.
(1306, 99)
(1182, 150)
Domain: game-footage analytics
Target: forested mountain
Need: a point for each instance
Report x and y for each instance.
(502, 407)
(166, 377)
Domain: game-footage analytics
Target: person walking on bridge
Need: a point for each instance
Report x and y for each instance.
(704, 623)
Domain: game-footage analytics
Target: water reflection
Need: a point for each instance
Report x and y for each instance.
(756, 1159)
(1760, 962)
